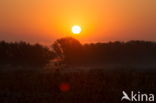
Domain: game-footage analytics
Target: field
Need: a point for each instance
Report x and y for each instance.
(89, 86)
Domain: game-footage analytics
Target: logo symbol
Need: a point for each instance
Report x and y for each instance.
(125, 96)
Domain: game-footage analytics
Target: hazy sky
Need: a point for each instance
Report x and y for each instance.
(101, 20)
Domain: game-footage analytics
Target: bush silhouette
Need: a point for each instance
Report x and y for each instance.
(22, 53)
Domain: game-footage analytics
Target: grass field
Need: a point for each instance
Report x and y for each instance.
(90, 86)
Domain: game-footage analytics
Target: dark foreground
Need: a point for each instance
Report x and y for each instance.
(92, 86)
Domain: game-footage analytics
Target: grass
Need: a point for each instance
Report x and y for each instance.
(92, 86)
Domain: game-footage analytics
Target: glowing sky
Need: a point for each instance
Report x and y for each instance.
(101, 20)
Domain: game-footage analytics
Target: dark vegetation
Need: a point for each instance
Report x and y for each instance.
(96, 85)
(72, 52)
(24, 54)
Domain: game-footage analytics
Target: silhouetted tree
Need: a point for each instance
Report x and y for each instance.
(22, 53)
(68, 49)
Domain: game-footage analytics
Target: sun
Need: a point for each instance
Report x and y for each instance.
(76, 29)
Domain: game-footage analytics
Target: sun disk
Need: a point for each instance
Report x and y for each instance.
(76, 29)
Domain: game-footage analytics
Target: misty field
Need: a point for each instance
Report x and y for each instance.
(90, 86)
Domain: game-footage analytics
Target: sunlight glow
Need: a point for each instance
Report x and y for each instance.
(76, 29)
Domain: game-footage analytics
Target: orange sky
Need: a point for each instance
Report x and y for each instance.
(44, 21)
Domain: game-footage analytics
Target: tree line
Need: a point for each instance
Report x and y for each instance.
(135, 51)
(72, 52)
